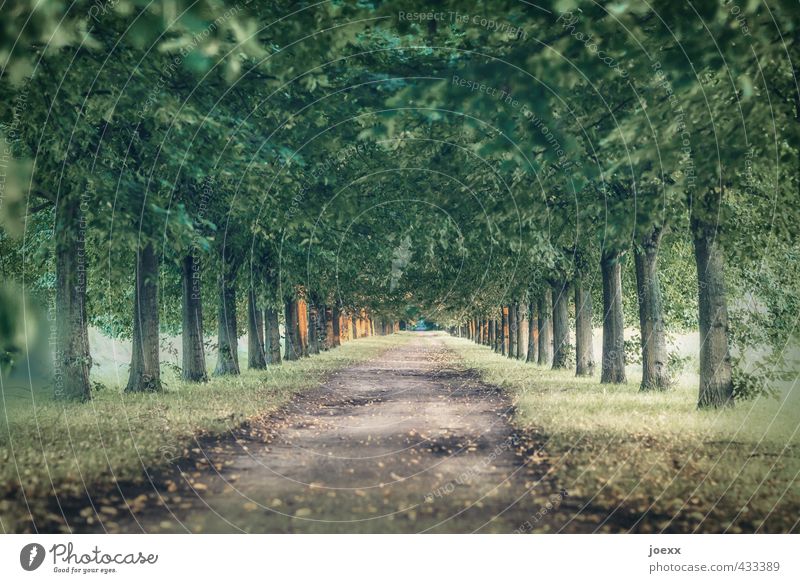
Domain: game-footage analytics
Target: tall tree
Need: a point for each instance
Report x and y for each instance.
(651, 313)
(584, 349)
(613, 365)
(194, 358)
(561, 341)
(145, 372)
(545, 327)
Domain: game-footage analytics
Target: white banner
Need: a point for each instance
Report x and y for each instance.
(372, 558)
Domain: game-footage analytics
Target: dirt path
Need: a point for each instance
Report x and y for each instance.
(407, 442)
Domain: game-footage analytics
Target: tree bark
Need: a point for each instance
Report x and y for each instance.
(301, 307)
(651, 314)
(520, 311)
(506, 347)
(227, 335)
(613, 365)
(256, 358)
(313, 329)
(145, 373)
(512, 330)
(533, 334)
(584, 351)
(546, 327)
(561, 338)
(336, 326)
(273, 336)
(716, 386)
(329, 327)
(194, 357)
(503, 329)
(73, 360)
(294, 349)
(322, 331)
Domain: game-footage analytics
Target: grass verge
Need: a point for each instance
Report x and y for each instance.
(50, 449)
(653, 458)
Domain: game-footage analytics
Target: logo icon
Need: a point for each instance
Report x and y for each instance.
(31, 556)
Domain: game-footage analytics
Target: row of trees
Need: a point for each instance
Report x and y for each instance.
(538, 329)
(643, 122)
(162, 154)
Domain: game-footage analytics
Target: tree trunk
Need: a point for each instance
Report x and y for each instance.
(294, 349)
(145, 373)
(651, 314)
(301, 308)
(322, 332)
(613, 366)
(194, 357)
(512, 330)
(273, 348)
(561, 338)
(329, 328)
(256, 358)
(584, 351)
(336, 326)
(355, 328)
(546, 327)
(73, 360)
(504, 339)
(519, 309)
(716, 387)
(533, 334)
(227, 335)
(313, 329)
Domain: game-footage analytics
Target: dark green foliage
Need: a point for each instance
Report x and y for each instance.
(387, 164)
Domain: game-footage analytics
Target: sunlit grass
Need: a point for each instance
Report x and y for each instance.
(49, 447)
(615, 446)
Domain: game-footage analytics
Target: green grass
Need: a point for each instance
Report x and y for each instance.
(735, 469)
(48, 447)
